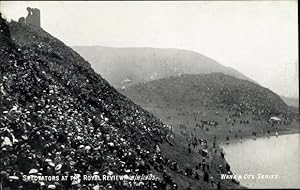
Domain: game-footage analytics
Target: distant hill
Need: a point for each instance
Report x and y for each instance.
(294, 102)
(214, 90)
(123, 67)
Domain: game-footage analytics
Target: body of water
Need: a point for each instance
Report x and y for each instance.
(266, 162)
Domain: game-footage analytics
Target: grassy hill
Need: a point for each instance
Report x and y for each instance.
(212, 91)
(123, 67)
(216, 108)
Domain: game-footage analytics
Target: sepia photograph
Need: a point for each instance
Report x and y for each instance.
(149, 95)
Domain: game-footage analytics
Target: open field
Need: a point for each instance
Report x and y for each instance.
(185, 124)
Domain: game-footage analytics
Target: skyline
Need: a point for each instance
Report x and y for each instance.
(259, 39)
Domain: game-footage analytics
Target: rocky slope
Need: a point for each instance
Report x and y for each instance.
(58, 117)
(123, 67)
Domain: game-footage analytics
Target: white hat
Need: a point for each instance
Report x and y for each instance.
(51, 164)
(96, 187)
(51, 187)
(13, 177)
(58, 166)
(33, 171)
(48, 160)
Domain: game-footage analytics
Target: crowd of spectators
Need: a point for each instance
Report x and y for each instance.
(59, 118)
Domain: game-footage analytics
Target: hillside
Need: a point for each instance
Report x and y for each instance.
(212, 91)
(58, 117)
(123, 67)
(216, 108)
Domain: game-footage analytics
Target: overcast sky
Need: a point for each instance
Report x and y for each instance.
(260, 39)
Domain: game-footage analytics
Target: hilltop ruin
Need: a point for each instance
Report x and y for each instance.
(33, 17)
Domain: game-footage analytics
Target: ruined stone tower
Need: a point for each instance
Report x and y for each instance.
(33, 17)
